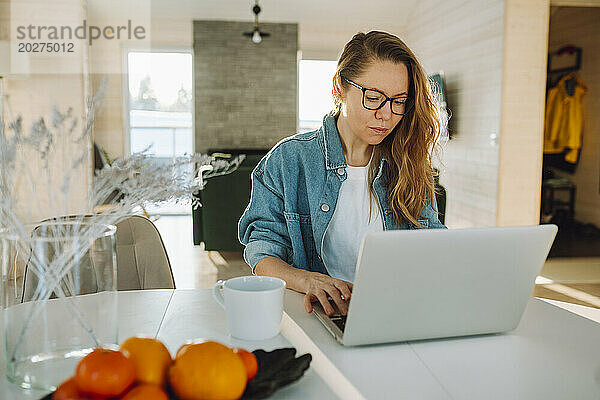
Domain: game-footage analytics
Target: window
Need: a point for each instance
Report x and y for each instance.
(160, 103)
(315, 100)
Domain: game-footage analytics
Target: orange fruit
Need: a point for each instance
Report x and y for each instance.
(182, 350)
(186, 345)
(250, 362)
(207, 371)
(104, 372)
(151, 359)
(146, 391)
(68, 391)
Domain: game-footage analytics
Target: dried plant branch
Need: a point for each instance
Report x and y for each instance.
(58, 150)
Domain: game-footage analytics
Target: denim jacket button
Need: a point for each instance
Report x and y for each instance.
(340, 171)
(324, 207)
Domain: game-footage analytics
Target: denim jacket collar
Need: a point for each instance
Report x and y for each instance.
(334, 155)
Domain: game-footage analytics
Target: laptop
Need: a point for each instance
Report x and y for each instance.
(439, 283)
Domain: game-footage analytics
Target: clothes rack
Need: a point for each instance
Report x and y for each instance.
(554, 75)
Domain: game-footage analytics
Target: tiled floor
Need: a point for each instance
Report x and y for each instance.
(575, 280)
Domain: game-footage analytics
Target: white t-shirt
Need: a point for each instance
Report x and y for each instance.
(349, 223)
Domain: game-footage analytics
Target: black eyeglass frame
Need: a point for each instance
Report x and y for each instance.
(390, 99)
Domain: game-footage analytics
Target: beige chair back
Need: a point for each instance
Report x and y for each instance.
(142, 261)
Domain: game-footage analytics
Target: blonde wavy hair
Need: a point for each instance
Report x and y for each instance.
(408, 148)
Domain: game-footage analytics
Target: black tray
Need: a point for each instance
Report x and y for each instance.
(276, 369)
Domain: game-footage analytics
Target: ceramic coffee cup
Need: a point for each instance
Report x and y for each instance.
(254, 305)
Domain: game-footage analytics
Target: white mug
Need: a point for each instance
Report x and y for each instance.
(253, 304)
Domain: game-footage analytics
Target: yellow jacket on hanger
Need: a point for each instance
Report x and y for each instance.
(563, 125)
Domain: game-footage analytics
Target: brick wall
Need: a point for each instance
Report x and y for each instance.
(246, 93)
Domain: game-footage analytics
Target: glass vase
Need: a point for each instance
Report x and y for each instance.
(59, 298)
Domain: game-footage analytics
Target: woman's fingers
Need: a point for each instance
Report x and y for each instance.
(308, 302)
(324, 288)
(336, 296)
(322, 296)
(344, 289)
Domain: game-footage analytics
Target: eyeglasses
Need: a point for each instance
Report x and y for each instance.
(373, 99)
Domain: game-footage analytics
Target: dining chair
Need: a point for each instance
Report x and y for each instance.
(142, 260)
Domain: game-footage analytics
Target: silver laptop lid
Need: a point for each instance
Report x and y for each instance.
(424, 284)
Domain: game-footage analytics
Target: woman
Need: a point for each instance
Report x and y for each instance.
(316, 194)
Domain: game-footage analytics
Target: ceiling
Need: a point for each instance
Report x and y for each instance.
(324, 25)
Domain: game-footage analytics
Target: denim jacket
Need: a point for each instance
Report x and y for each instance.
(294, 193)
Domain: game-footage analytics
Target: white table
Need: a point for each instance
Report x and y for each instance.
(553, 354)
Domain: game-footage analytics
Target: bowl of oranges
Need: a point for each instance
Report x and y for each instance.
(143, 369)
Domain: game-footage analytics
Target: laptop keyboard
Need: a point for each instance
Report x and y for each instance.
(339, 320)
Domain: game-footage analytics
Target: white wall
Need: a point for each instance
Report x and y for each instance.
(493, 56)
(33, 93)
(465, 41)
(523, 98)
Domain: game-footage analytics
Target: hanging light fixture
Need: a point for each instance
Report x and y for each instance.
(256, 35)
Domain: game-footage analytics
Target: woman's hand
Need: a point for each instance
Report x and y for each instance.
(321, 288)
(316, 286)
